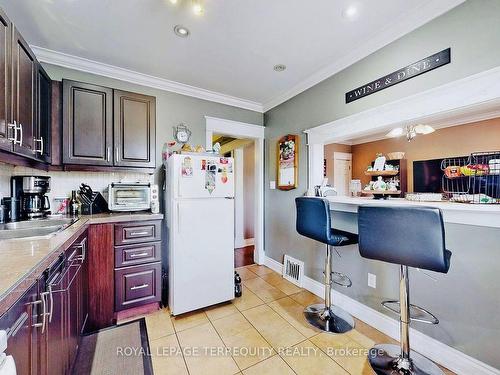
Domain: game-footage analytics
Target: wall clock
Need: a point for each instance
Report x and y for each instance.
(182, 134)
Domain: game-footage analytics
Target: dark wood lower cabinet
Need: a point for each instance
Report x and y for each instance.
(137, 285)
(18, 322)
(76, 294)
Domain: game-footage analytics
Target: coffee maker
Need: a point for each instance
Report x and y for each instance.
(30, 191)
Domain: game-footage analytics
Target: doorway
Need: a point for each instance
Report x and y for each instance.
(255, 133)
(342, 172)
(242, 150)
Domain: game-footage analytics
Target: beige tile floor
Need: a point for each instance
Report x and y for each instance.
(261, 333)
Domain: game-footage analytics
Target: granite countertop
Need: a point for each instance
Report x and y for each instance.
(22, 261)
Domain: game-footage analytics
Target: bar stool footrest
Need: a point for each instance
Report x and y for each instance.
(341, 279)
(417, 313)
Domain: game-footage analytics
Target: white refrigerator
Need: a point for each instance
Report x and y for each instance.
(200, 222)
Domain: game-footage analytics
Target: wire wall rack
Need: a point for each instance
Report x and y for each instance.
(472, 179)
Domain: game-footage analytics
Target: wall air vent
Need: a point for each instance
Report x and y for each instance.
(293, 270)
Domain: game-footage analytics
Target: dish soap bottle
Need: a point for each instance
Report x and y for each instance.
(74, 205)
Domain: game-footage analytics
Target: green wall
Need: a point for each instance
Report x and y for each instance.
(472, 30)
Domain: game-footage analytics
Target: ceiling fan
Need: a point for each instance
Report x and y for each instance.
(410, 131)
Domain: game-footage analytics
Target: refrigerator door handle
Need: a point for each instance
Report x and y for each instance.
(178, 218)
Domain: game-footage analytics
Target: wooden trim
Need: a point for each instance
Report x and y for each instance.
(19, 160)
(56, 124)
(100, 275)
(99, 168)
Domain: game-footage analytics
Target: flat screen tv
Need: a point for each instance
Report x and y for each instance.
(427, 176)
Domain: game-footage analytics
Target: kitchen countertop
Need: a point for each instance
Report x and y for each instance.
(24, 260)
(486, 215)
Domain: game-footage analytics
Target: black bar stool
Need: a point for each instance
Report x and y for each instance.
(314, 221)
(410, 236)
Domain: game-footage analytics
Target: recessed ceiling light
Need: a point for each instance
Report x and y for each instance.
(173, 1)
(279, 67)
(351, 12)
(181, 31)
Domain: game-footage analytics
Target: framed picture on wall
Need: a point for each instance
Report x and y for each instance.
(288, 162)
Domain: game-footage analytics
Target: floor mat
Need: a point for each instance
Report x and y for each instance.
(123, 350)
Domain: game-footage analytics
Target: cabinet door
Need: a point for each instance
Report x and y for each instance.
(24, 70)
(43, 116)
(134, 129)
(87, 124)
(5, 86)
(18, 322)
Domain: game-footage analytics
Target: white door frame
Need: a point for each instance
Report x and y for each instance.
(238, 129)
(340, 156)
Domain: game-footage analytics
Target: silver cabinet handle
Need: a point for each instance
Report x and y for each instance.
(117, 154)
(14, 127)
(20, 142)
(18, 324)
(139, 233)
(44, 312)
(139, 287)
(108, 154)
(51, 298)
(40, 150)
(83, 246)
(138, 255)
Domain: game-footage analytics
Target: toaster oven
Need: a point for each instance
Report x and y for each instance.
(132, 196)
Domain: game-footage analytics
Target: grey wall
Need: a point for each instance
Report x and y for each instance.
(171, 108)
(472, 30)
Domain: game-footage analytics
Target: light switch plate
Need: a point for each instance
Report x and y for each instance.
(272, 185)
(372, 280)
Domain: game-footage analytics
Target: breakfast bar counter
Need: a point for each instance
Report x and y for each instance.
(485, 215)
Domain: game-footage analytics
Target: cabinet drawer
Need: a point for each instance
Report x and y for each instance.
(137, 285)
(144, 231)
(130, 255)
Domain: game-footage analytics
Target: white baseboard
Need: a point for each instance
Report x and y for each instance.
(244, 242)
(440, 353)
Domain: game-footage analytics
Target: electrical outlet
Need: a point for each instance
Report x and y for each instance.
(272, 185)
(372, 280)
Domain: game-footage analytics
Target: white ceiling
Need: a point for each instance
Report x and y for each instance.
(232, 48)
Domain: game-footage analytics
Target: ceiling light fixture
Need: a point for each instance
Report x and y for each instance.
(197, 7)
(410, 131)
(279, 68)
(174, 1)
(351, 12)
(181, 31)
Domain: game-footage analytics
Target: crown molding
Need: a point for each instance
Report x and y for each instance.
(426, 12)
(90, 66)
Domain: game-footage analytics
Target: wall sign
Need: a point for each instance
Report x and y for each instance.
(410, 71)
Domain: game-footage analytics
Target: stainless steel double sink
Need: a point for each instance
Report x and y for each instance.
(34, 228)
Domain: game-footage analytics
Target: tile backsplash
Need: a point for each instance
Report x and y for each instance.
(63, 182)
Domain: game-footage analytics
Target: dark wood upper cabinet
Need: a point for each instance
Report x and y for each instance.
(134, 130)
(87, 124)
(43, 136)
(24, 73)
(5, 76)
